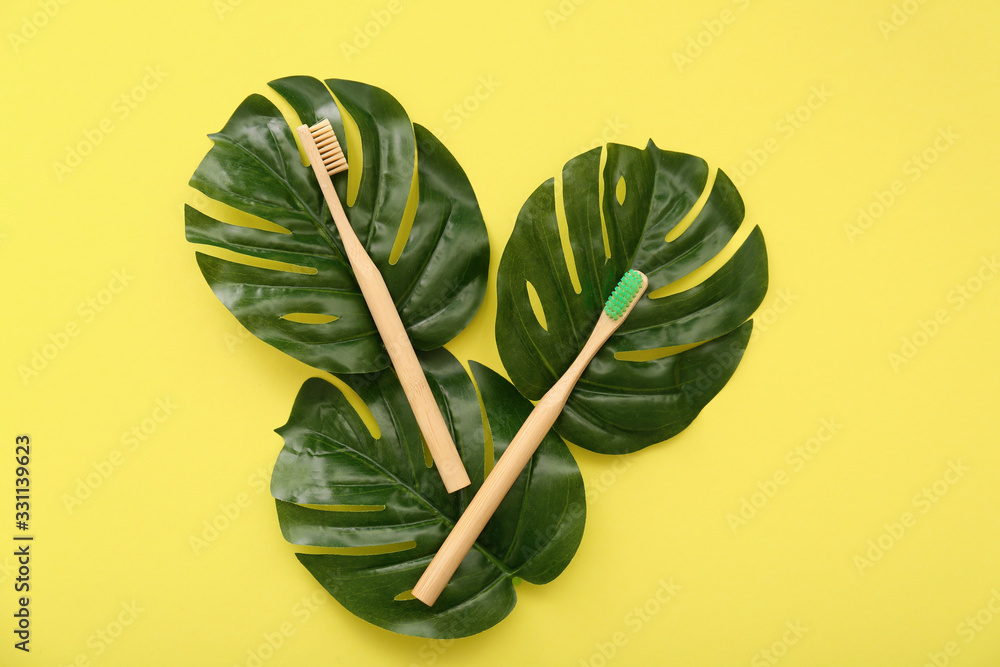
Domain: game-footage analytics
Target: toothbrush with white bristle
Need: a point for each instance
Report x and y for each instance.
(327, 158)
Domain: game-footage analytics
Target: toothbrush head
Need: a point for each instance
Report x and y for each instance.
(328, 146)
(625, 294)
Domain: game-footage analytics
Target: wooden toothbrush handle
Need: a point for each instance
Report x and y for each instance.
(393, 333)
(490, 494)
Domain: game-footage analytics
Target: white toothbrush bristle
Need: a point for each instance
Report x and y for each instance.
(329, 148)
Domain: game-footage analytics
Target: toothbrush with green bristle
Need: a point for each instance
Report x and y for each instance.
(437, 575)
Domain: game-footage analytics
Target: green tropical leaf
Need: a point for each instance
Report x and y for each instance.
(438, 280)
(623, 404)
(386, 513)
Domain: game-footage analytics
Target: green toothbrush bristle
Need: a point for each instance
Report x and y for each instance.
(623, 294)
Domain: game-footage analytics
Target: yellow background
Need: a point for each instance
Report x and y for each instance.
(567, 77)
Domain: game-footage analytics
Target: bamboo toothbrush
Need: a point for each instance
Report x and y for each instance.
(524, 444)
(327, 158)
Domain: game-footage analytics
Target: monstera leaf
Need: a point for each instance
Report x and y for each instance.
(386, 513)
(625, 401)
(301, 296)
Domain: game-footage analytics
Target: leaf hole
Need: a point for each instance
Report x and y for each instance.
(620, 191)
(536, 305)
(600, 194)
(563, 226)
(353, 140)
(291, 118)
(654, 353)
(358, 404)
(405, 595)
(685, 222)
(345, 508)
(487, 433)
(232, 216)
(309, 318)
(373, 550)
(428, 459)
(260, 263)
(409, 213)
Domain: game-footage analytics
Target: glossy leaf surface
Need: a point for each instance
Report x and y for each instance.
(623, 404)
(437, 281)
(338, 486)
